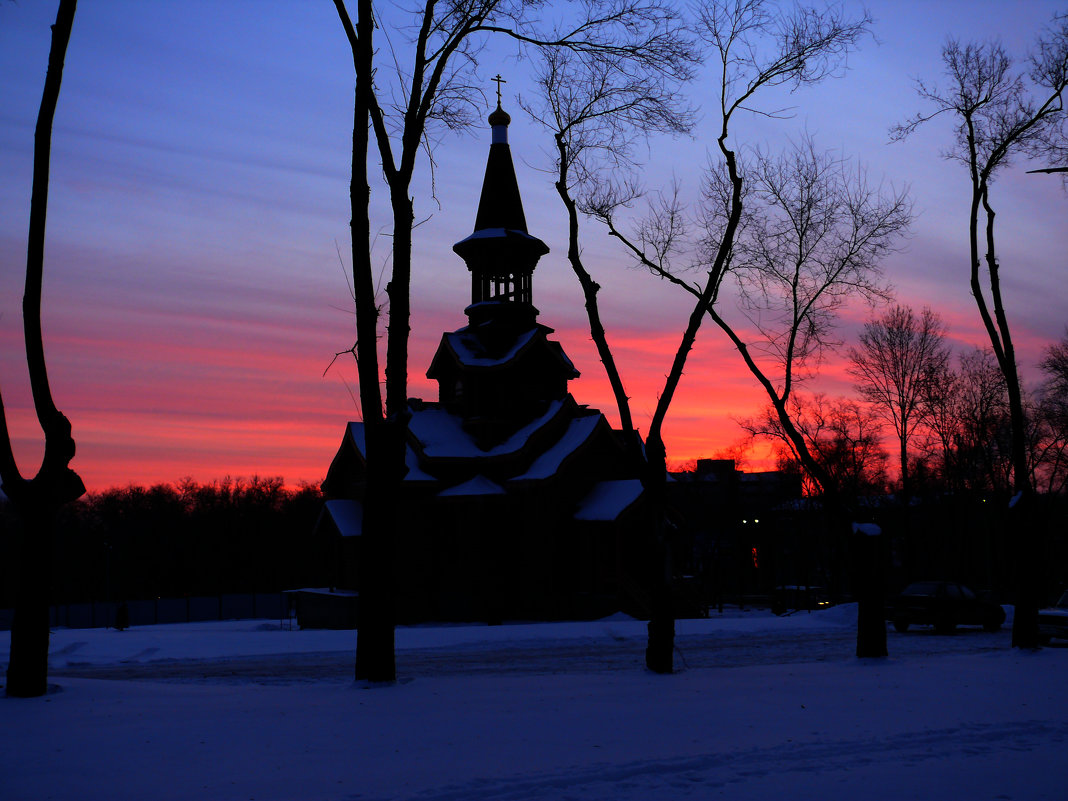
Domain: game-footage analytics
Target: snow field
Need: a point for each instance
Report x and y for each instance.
(991, 724)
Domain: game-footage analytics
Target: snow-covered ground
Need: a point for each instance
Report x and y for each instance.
(761, 708)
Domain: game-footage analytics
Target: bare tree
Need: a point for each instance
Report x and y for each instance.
(984, 448)
(433, 88)
(758, 47)
(811, 240)
(818, 234)
(899, 354)
(1055, 366)
(843, 437)
(597, 108)
(840, 434)
(38, 499)
(940, 414)
(1000, 111)
(966, 412)
(1052, 420)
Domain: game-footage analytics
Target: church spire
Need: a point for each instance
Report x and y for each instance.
(500, 253)
(500, 205)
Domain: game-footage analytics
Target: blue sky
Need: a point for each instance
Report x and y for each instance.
(199, 198)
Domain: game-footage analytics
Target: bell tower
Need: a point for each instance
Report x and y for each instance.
(500, 253)
(500, 371)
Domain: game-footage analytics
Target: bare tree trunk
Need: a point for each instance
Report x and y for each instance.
(374, 643)
(37, 500)
(778, 402)
(27, 673)
(590, 288)
(660, 645)
(360, 223)
(652, 464)
(868, 562)
(1024, 536)
(399, 299)
(903, 454)
(375, 652)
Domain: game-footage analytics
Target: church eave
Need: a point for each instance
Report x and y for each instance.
(504, 241)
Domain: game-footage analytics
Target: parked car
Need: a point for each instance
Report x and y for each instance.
(944, 605)
(794, 597)
(1053, 621)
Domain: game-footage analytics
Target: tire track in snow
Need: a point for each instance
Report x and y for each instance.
(695, 776)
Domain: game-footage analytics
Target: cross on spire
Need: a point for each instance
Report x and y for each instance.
(499, 80)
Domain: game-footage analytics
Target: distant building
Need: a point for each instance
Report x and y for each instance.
(519, 502)
(739, 534)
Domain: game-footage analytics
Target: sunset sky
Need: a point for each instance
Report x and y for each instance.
(194, 294)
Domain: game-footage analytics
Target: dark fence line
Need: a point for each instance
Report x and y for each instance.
(194, 609)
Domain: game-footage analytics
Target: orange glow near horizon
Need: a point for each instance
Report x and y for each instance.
(217, 418)
(270, 411)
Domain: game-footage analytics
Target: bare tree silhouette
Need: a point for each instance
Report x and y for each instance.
(756, 47)
(597, 110)
(899, 354)
(1000, 111)
(37, 499)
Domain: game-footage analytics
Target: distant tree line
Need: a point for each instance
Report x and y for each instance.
(950, 421)
(171, 540)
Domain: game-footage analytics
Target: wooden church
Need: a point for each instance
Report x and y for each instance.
(518, 500)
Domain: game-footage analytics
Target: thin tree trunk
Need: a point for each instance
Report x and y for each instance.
(906, 484)
(37, 500)
(360, 39)
(778, 402)
(660, 645)
(590, 288)
(399, 290)
(374, 642)
(1026, 542)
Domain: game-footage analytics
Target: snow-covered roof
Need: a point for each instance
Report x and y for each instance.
(470, 351)
(441, 434)
(467, 346)
(347, 516)
(609, 499)
(548, 463)
(479, 485)
(358, 437)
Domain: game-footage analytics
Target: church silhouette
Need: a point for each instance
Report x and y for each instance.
(519, 502)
